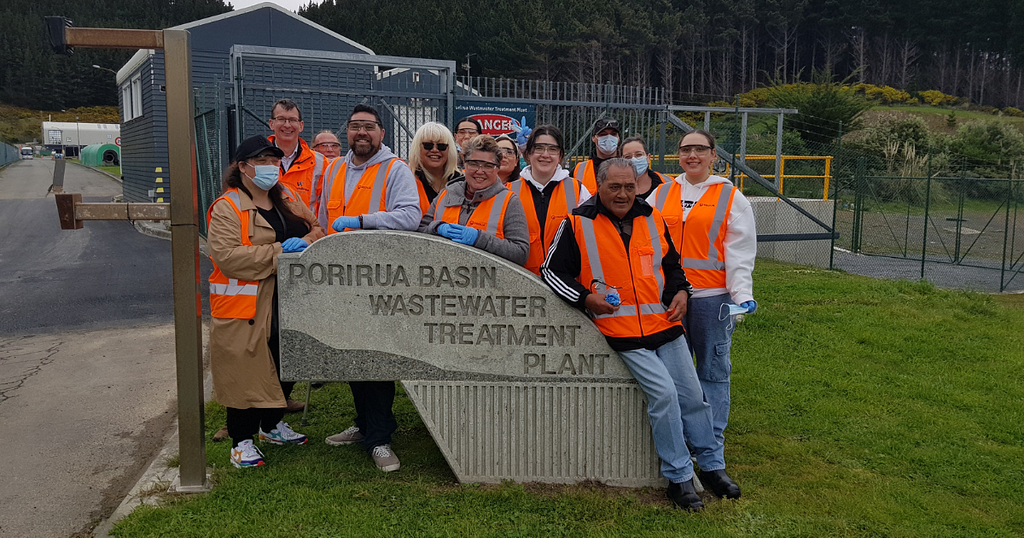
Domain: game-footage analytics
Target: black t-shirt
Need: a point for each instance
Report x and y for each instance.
(283, 230)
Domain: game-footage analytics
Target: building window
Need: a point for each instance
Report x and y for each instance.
(137, 96)
(126, 102)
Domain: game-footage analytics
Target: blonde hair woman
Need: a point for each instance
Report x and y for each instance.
(434, 159)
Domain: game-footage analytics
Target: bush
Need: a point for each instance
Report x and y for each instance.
(883, 94)
(1013, 112)
(937, 98)
(823, 106)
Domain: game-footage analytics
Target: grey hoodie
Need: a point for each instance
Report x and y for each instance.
(515, 247)
(401, 201)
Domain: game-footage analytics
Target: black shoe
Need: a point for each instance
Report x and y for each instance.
(720, 483)
(684, 496)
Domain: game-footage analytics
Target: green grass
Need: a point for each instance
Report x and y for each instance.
(113, 170)
(861, 408)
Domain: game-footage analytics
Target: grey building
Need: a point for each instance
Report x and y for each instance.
(143, 103)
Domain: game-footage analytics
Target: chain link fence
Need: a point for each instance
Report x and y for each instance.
(8, 154)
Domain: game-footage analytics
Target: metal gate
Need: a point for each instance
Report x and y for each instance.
(407, 92)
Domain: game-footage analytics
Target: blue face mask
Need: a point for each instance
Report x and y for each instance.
(608, 143)
(266, 176)
(640, 164)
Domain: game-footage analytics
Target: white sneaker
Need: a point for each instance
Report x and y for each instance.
(347, 437)
(283, 434)
(385, 459)
(246, 455)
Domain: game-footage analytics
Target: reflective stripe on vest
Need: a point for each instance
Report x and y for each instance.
(539, 244)
(625, 270)
(672, 212)
(493, 207)
(231, 298)
(705, 266)
(586, 175)
(358, 202)
(318, 181)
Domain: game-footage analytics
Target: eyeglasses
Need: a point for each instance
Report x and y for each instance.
(264, 159)
(468, 131)
(441, 146)
(286, 121)
(367, 126)
(506, 151)
(700, 151)
(330, 145)
(546, 148)
(481, 165)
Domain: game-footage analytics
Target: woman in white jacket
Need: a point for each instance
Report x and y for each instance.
(718, 244)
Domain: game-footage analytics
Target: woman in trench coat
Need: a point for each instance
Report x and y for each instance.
(255, 219)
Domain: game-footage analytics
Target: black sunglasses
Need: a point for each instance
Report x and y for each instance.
(441, 146)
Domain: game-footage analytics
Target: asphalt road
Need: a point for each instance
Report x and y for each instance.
(87, 375)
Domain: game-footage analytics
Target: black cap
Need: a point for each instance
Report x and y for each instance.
(253, 146)
(606, 123)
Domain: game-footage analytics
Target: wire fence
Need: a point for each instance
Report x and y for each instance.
(8, 154)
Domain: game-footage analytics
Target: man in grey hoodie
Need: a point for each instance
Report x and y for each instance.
(371, 188)
(390, 200)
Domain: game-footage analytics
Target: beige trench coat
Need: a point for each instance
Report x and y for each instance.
(243, 370)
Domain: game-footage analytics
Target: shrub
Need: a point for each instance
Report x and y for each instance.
(823, 105)
(937, 98)
(1014, 112)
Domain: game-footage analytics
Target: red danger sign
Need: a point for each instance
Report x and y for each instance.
(495, 124)
(118, 141)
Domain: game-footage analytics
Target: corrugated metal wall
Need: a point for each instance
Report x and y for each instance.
(543, 432)
(144, 139)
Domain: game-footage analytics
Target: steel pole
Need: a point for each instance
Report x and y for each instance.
(188, 336)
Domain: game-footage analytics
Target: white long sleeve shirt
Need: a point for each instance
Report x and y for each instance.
(740, 239)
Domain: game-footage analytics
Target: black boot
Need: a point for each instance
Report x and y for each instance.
(684, 496)
(720, 483)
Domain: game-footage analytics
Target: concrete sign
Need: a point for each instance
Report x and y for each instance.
(511, 382)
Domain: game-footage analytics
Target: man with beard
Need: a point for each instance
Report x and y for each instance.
(370, 188)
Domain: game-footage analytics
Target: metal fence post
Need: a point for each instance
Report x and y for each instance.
(858, 206)
(1006, 233)
(835, 196)
(661, 140)
(927, 208)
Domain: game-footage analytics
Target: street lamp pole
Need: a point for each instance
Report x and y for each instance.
(78, 138)
(105, 69)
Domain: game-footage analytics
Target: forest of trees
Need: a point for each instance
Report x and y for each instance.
(32, 76)
(701, 50)
(704, 50)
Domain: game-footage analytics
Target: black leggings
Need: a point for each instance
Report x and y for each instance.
(245, 423)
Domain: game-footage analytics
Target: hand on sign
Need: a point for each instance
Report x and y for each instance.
(293, 244)
(750, 305)
(463, 234)
(447, 230)
(341, 223)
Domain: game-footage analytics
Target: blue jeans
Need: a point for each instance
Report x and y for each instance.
(710, 339)
(676, 408)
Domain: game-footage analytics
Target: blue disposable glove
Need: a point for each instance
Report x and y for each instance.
(293, 244)
(612, 298)
(463, 234)
(750, 305)
(524, 132)
(341, 223)
(447, 230)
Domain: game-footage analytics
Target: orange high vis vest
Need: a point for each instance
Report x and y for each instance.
(305, 176)
(563, 201)
(489, 216)
(368, 196)
(702, 245)
(586, 174)
(637, 273)
(424, 201)
(231, 298)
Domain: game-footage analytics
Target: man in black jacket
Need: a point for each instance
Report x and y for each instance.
(614, 259)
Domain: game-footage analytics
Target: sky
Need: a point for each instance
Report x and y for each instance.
(290, 5)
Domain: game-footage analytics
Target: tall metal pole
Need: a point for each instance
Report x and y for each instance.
(927, 207)
(778, 152)
(835, 201)
(188, 336)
